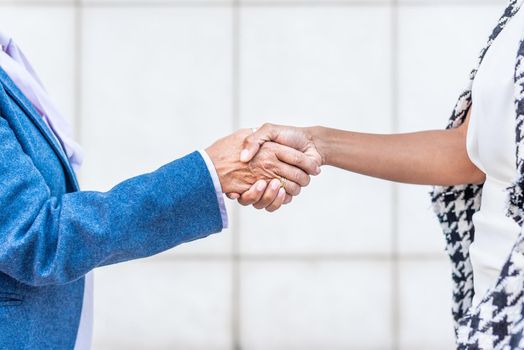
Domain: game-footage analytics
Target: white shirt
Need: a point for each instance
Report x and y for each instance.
(491, 147)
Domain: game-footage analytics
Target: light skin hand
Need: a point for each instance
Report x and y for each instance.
(272, 197)
(255, 194)
(269, 163)
(296, 138)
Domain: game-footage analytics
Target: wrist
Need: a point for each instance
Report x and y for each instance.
(317, 135)
(220, 164)
(224, 154)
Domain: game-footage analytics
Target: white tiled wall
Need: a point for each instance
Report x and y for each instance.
(310, 305)
(47, 36)
(176, 65)
(164, 305)
(354, 263)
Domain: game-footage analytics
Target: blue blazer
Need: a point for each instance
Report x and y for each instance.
(52, 234)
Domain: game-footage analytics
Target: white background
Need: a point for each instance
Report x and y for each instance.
(354, 263)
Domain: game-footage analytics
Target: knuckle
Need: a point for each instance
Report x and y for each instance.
(311, 167)
(298, 158)
(307, 180)
(248, 140)
(248, 199)
(301, 178)
(266, 164)
(252, 165)
(291, 189)
(297, 176)
(305, 183)
(258, 206)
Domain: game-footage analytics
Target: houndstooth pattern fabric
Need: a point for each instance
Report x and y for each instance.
(498, 321)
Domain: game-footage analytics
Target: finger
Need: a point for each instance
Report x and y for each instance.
(254, 194)
(250, 148)
(233, 196)
(292, 174)
(293, 157)
(253, 142)
(277, 203)
(269, 195)
(292, 188)
(288, 199)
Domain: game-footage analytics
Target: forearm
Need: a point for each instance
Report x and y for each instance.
(49, 240)
(436, 157)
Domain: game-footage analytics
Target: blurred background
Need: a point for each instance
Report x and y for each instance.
(354, 262)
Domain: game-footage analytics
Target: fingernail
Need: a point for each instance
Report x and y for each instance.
(281, 192)
(261, 185)
(244, 155)
(275, 185)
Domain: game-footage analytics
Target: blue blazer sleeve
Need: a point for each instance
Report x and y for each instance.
(54, 240)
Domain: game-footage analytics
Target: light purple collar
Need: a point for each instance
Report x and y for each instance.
(18, 68)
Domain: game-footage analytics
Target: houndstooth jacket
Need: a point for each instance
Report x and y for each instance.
(498, 321)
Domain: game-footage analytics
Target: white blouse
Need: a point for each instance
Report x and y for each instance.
(491, 147)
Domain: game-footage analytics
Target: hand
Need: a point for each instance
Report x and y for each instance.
(264, 196)
(267, 196)
(298, 138)
(272, 161)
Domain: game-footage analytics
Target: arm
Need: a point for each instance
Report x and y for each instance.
(271, 162)
(47, 239)
(436, 157)
(428, 157)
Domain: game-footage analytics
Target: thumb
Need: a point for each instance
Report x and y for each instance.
(253, 142)
(233, 195)
(250, 148)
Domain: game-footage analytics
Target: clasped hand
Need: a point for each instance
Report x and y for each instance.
(265, 168)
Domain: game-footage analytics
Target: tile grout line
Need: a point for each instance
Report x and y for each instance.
(236, 256)
(226, 4)
(395, 273)
(78, 34)
(235, 234)
(308, 258)
(77, 76)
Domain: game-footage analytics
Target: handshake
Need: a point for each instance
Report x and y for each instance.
(266, 167)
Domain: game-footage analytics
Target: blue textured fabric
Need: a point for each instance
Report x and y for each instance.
(52, 234)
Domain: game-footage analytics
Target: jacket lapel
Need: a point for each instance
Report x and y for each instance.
(35, 117)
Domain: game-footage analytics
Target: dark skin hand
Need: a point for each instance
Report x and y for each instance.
(434, 157)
